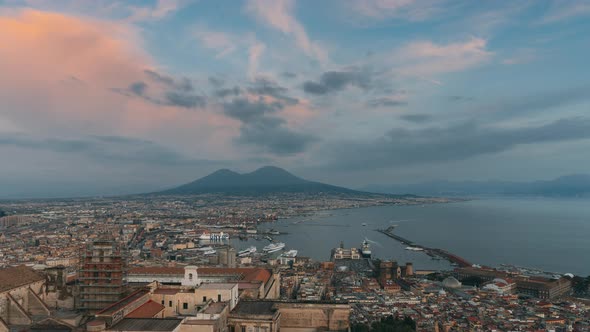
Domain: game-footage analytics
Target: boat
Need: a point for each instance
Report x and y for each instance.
(273, 247)
(214, 236)
(291, 253)
(268, 238)
(247, 251)
(209, 252)
(364, 224)
(366, 249)
(251, 231)
(205, 248)
(414, 248)
(274, 232)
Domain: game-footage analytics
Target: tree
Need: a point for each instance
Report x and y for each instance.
(2, 213)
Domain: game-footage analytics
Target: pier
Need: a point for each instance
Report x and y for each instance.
(433, 252)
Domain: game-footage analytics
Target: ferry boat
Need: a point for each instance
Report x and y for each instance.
(366, 249)
(414, 248)
(273, 247)
(247, 251)
(291, 253)
(214, 236)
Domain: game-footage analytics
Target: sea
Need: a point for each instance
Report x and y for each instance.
(547, 234)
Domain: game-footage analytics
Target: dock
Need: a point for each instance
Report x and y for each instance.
(433, 252)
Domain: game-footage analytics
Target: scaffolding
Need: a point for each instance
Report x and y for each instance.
(102, 274)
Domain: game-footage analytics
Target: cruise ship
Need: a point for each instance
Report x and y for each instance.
(365, 249)
(273, 247)
(247, 251)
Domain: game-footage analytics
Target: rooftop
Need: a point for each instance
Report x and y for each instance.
(146, 324)
(146, 310)
(18, 276)
(218, 285)
(259, 308)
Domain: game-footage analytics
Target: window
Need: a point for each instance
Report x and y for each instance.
(204, 299)
(243, 329)
(169, 303)
(190, 276)
(185, 306)
(162, 302)
(218, 297)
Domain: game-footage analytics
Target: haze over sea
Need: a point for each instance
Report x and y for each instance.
(544, 233)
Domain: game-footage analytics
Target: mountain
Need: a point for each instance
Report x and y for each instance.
(577, 185)
(268, 179)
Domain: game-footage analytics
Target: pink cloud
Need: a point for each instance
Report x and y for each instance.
(58, 72)
(425, 58)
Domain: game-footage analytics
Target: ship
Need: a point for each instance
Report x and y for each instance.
(365, 249)
(273, 247)
(291, 253)
(209, 252)
(414, 248)
(214, 236)
(247, 251)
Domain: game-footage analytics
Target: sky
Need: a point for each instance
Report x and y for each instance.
(102, 97)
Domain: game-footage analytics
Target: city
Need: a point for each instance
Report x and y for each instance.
(294, 166)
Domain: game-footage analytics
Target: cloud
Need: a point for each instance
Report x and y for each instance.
(521, 56)
(266, 87)
(228, 92)
(411, 10)
(263, 128)
(566, 10)
(386, 102)
(288, 75)
(103, 148)
(255, 52)
(278, 14)
(525, 106)
(160, 10)
(425, 58)
(177, 92)
(416, 118)
(187, 100)
(183, 84)
(138, 88)
(459, 99)
(335, 81)
(401, 147)
(221, 42)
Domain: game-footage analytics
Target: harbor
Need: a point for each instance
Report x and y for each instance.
(435, 253)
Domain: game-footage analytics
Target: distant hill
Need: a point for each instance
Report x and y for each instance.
(566, 186)
(268, 179)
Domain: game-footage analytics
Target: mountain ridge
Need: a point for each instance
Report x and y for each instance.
(266, 179)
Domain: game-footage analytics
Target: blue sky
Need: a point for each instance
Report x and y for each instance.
(106, 97)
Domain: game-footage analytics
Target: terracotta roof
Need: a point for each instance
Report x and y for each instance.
(18, 276)
(157, 270)
(146, 310)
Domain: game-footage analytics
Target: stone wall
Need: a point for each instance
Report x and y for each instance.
(304, 317)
